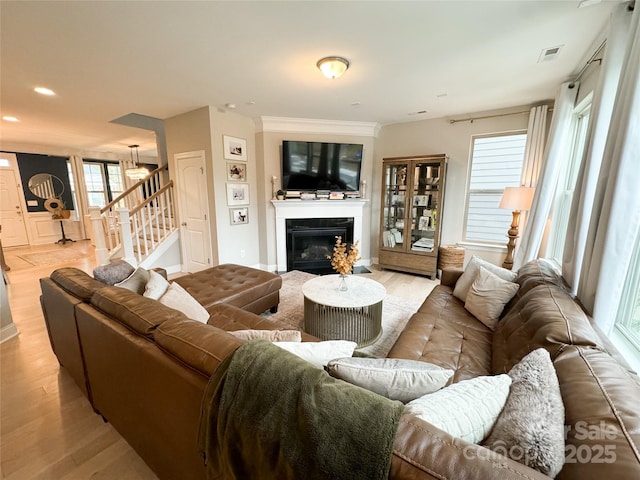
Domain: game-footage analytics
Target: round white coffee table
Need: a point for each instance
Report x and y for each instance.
(354, 314)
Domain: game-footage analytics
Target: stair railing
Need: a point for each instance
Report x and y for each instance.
(116, 228)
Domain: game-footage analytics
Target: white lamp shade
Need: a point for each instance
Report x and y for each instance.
(517, 198)
(333, 67)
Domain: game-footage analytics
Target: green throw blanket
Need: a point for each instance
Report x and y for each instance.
(267, 414)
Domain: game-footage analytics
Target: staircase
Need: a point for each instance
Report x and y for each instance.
(138, 224)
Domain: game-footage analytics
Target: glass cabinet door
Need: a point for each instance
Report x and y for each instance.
(395, 205)
(423, 213)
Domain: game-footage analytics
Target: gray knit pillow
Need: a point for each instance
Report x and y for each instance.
(530, 428)
(113, 273)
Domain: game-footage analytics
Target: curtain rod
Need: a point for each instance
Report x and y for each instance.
(471, 119)
(589, 62)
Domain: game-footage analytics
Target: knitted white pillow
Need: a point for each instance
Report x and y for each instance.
(467, 409)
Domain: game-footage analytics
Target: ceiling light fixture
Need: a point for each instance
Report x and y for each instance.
(10, 119)
(44, 91)
(333, 67)
(137, 172)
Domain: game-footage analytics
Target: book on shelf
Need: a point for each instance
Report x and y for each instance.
(355, 194)
(293, 194)
(336, 195)
(307, 196)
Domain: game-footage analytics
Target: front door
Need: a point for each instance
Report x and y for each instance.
(14, 231)
(193, 207)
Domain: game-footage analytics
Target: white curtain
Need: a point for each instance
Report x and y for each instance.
(615, 218)
(601, 110)
(548, 178)
(534, 150)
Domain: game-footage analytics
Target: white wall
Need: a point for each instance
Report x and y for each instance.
(440, 136)
(236, 243)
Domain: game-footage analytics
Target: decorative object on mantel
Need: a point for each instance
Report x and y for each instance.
(280, 194)
(363, 189)
(516, 199)
(343, 261)
(274, 192)
(137, 172)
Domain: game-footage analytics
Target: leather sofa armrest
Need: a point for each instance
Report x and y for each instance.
(450, 276)
(422, 451)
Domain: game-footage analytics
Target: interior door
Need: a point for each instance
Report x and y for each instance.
(193, 208)
(14, 229)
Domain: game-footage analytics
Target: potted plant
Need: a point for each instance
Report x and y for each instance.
(280, 194)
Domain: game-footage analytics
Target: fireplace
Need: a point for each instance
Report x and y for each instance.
(310, 240)
(315, 209)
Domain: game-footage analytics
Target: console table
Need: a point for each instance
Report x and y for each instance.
(354, 314)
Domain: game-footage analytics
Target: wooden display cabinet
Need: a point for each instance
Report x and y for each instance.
(410, 217)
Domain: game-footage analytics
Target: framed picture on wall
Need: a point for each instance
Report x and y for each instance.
(236, 172)
(239, 216)
(235, 148)
(237, 194)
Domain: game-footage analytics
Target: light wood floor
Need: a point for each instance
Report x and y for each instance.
(48, 430)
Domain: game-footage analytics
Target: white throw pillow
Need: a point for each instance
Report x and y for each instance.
(156, 286)
(271, 335)
(467, 409)
(394, 378)
(319, 353)
(471, 271)
(136, 281)
(178, 298)
(488, 295)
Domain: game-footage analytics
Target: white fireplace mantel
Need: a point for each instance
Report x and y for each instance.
(286, 209)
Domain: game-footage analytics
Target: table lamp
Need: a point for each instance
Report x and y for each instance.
(515, 199)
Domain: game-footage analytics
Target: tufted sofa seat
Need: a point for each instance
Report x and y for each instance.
(247, 288)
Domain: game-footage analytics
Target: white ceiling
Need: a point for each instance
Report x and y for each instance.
(160, 59)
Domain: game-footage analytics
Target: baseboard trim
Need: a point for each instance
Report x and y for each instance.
(7, 332)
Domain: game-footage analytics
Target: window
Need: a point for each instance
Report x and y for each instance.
(95, 181)
(115, 180)
(567, 183)
(496, 163)
(628, 317)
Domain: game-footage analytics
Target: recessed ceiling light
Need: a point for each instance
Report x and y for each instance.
(10, 119)
(230, 105)
(44, 91)
(442, 95)
(419, 112)
(356, 104)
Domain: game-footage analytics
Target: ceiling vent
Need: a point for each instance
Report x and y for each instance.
(549, 54)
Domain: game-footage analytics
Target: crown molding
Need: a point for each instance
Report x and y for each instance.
(308, 125)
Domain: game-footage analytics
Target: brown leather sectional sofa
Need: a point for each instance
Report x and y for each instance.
(146, 367)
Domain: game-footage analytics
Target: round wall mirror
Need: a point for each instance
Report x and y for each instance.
(45, 185)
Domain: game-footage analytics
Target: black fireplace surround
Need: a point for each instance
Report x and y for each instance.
(310, 240)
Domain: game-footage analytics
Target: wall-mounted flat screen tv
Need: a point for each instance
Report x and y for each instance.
(321, 166)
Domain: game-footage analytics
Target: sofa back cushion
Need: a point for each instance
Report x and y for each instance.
(76, 282)
(533, 274)
(602, 418)
(545, 317)
(200, 346)
(443, 333)
(141, 314)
